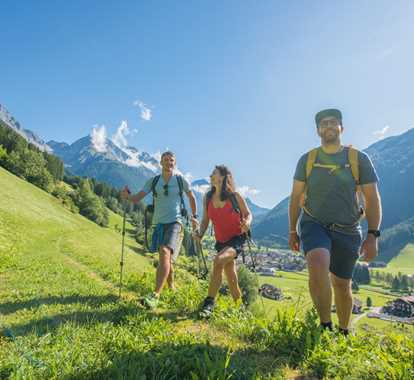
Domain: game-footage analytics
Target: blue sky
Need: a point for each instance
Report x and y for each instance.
(234, 82)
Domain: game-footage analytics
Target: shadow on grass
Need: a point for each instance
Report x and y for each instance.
(184, 361)
(12, 307)
(45, 325)
(139, 250)
(176, 316)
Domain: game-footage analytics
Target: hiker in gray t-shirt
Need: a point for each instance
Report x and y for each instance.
(335, 186)
(168, 189)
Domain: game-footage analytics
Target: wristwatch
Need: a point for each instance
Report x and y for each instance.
(376, 233)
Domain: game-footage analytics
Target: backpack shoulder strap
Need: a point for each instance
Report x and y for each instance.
(235, 203)
(180, 184)
(181, 192)
(154, 184)
(353, 161)
(310, 161)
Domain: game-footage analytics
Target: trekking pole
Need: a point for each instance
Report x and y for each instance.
(121, 262)
(200, 249)
(200, 257)
(145, 229)
(249, 243)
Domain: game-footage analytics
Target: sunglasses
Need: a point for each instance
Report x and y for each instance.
(165, 187)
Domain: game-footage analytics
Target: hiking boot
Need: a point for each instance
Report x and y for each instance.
(150, 302)
(207, 308)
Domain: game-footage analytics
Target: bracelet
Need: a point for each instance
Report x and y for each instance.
(293, 232)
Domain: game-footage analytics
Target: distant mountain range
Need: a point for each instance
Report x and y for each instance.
(105, 161)
(120, 167)
(393, 159)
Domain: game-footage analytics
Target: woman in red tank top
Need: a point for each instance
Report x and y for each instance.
(230, 229)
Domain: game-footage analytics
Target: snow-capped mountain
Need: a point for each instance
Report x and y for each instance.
(112, 164)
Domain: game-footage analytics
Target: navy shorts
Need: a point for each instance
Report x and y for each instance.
(237, 242)
(343, 247)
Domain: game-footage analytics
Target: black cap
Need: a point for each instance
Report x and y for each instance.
(327, 113)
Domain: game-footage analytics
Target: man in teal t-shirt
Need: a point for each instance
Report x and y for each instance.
(326, 189)
(167, 218)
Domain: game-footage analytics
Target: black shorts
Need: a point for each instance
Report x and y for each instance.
(237, 242)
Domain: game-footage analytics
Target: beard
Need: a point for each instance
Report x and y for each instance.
(330, 137)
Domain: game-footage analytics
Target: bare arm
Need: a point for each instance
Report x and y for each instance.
(126, 195)
(298, 191)
(373, 208)
(205, 219)
(192, 201)
(373, 211)
(137, 197)
(246, 214)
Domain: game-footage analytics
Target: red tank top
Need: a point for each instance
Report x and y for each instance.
(225, 220)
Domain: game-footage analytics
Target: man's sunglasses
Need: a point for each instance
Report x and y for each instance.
(165, 187)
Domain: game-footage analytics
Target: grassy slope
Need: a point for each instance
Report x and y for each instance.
(58, 287)
(58, 298)
(55, 252)
(404, 262)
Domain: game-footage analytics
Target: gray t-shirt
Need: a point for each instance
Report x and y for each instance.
(331, 197)
(167, 208)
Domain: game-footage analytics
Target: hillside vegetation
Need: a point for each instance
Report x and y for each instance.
(61, 317)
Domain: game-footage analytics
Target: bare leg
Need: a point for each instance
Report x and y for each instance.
(319, 282)
(232, 280)
(170, 278)
(225, 256)
(163, 269)
(343, 300)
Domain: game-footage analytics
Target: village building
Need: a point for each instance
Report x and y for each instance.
(400, 307)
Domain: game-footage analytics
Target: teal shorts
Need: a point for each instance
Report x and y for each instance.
(343, 247)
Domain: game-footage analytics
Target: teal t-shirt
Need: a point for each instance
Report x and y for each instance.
(331, 197)
(167, 207)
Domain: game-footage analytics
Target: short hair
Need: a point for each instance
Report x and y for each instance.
(168, 153)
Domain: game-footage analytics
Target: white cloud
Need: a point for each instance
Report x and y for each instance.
(380, 134)
(246, 191)
(119, 138)
(157, 156)
(201, 188)
(145, 111)
(98, 137)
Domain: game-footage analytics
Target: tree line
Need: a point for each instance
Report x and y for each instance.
(82, 195)
(398, 282)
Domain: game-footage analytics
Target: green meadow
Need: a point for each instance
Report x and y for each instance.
(403, 263)
(61, 317)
